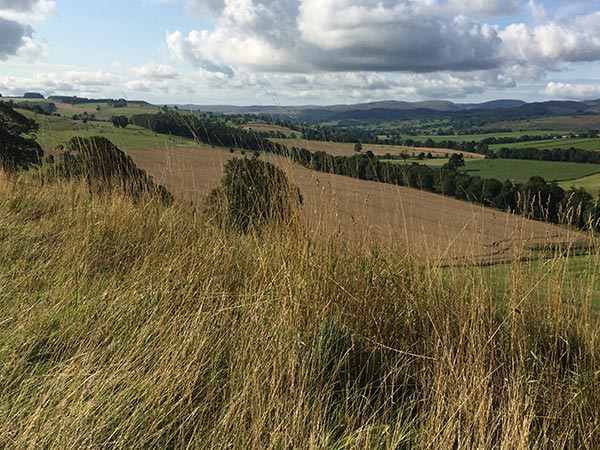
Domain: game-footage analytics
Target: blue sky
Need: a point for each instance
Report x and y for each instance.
(301, 51)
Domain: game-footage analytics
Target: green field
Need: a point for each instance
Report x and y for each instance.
(521, 170)
(590, 183)
(55, 131)
(585, 144)
(479, 137)
(105, 111)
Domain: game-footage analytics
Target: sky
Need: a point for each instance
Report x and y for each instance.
(292, 52)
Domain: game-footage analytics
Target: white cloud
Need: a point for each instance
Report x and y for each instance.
(156, 72)
(408, 36)
(572, 91)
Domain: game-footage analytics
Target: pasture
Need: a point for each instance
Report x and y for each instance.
(590, 183)
(584, 144)
(55, 131)
(521, 170)
(265, 127)
(517, 170)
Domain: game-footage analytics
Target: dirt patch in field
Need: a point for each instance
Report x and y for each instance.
(343, 149)
(433, 227)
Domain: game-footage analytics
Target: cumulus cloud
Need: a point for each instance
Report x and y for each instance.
(16, 31)
(404, 36)
(156, 72)
(572, 91)
(12, 37)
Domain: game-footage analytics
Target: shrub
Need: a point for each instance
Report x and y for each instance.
(106, 168)
(18, 149)
(252, 194)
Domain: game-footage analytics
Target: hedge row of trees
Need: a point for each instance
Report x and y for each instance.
(536, 198)
(555, 154)
(205, 129)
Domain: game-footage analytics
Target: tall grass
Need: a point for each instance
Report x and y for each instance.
(135, 325)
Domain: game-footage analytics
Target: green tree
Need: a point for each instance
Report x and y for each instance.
(253, 194)
(456, 160)
(120, 121)
(18, 149)
(358, 147)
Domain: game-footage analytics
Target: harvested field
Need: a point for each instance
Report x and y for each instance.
(344, 149)
(267, 127)
(435, 228)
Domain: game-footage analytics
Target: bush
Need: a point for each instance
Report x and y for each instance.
(106, 168)
(18, 148)
(252, 195)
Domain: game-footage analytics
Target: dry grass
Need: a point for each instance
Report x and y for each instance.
(430, 226)
(343, 149)
(137, 326)
(269, 127)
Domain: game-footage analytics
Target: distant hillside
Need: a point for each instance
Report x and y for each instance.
(504, 109)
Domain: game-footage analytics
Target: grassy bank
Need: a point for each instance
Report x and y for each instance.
(138, 326)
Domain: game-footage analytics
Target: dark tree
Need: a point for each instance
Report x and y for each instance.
(456, 160)
(18, 149)
(358, 147)
(120, 121)
(253, 194)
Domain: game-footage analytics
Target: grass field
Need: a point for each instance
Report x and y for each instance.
(522, 170)
(104, 113)
(344, 149)
(585, 144)
(55, 131)
(519, 170)
(590, 183)
(572, 123)
(479, 137)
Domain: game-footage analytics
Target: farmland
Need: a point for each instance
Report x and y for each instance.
(590, 183)
(585, 144)
(55, 131)
(430, 226)
(522, 170)
(347, 149)
(364, 324)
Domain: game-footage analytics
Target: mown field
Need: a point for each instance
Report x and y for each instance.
(345, 149)
(479, 137)
(265, 127)
(427, 225)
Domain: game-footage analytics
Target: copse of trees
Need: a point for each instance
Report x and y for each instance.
(18, 148)
(120, 121)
